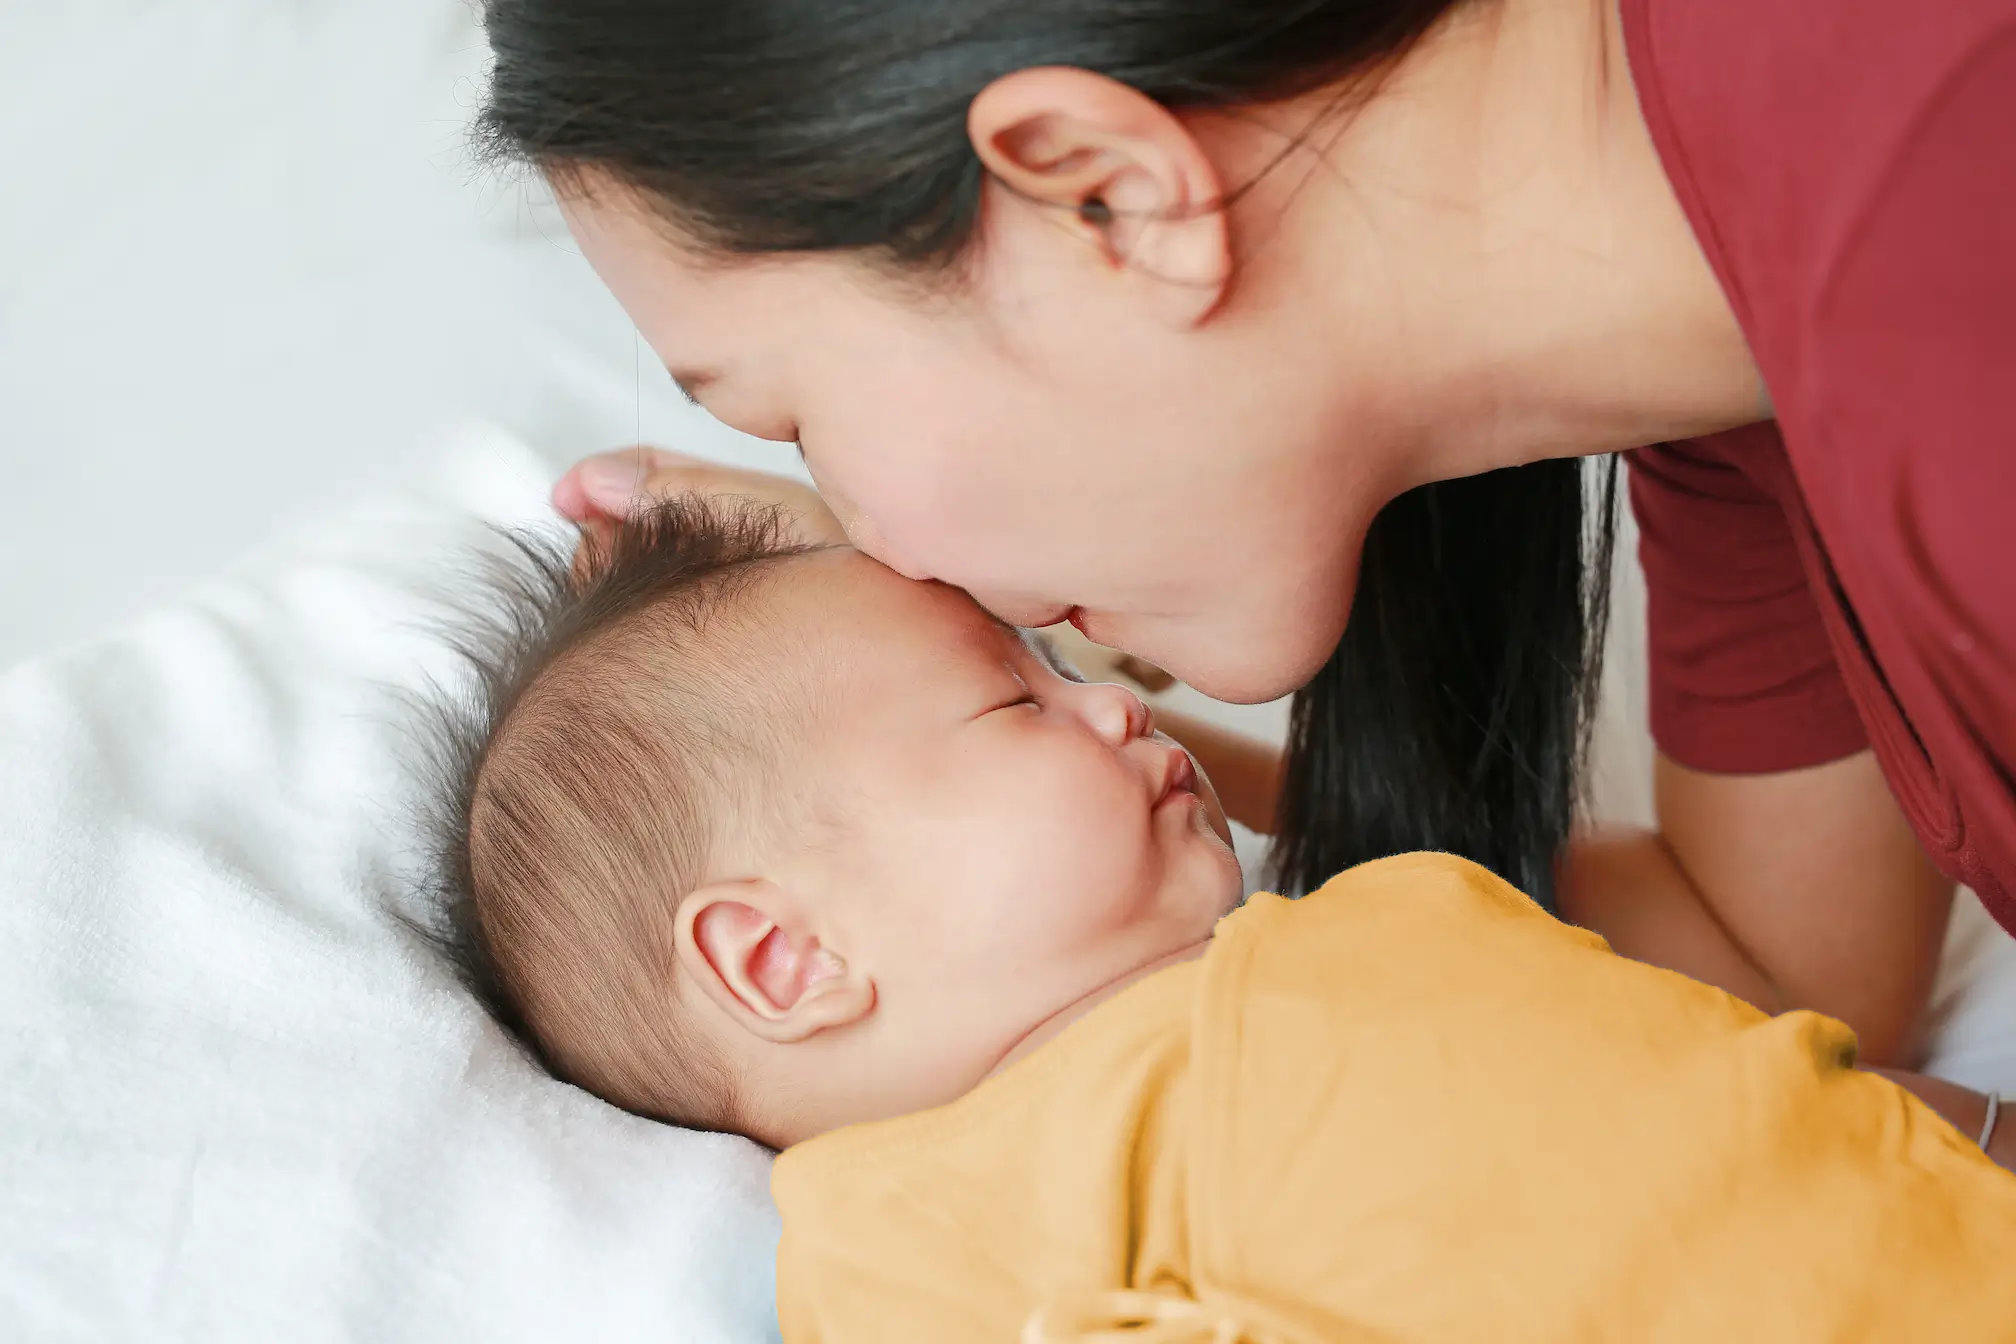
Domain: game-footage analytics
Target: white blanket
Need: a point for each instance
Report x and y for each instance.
(240, 1102)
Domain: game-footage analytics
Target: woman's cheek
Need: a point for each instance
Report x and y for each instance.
(872, 541)
(932, 513)
(879, 525)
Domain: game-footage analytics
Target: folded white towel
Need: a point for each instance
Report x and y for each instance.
(240, 1102)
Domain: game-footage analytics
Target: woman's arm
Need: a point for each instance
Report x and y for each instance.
(1964, 1108)
(1797, 890)
(1801, 890)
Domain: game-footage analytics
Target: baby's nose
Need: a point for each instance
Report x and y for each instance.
(1116, 714)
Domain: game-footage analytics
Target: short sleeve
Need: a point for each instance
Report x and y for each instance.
(1743, 678)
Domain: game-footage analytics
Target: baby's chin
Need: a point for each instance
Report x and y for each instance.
(1221, 825)
(1224, 891)
(1231, 877)
(1233, 898)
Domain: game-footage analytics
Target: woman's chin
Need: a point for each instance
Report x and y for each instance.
(1232, 668)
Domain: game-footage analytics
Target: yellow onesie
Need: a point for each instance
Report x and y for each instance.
(1410, 1107)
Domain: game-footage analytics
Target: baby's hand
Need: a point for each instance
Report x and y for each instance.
(612, 485)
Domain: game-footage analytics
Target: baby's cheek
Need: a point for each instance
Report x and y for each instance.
(1096, 833)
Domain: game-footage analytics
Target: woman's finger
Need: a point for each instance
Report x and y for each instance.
(612, 483)
(600, 486)
(611, 486)
(571, 501)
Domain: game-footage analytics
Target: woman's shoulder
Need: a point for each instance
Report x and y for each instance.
(1807, 138)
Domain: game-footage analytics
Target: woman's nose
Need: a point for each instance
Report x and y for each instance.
(1115, 713)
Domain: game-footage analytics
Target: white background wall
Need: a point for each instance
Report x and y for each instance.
(247, 272)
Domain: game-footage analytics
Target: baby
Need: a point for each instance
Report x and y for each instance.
(759, 836)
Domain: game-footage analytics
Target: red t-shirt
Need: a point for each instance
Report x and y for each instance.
(1847, 576)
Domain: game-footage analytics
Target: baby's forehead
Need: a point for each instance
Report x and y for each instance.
(855, 601)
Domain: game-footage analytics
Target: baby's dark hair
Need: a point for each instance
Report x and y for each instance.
(583, 777)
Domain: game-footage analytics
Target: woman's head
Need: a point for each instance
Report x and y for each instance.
(1079, 304)
(1008, 272)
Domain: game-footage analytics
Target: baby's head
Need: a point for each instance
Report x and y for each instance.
(755, 837)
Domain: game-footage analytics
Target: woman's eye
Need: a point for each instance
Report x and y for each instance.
(1017, 704)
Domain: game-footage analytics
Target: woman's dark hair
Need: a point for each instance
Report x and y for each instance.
(1453, 714)
(816, 125)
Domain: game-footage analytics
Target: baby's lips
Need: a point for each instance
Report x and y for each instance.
(1178, 773)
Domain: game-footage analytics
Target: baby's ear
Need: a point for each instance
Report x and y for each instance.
(751, 950)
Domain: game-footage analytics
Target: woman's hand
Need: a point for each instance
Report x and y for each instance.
(1802, 889)
(609, 486)
(1964, 1108)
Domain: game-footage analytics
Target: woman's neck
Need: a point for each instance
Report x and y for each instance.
(1493, 225)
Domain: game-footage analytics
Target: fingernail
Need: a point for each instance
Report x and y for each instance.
(611, 482)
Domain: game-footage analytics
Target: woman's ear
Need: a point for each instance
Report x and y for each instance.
(750, 949)
(1122, 173)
